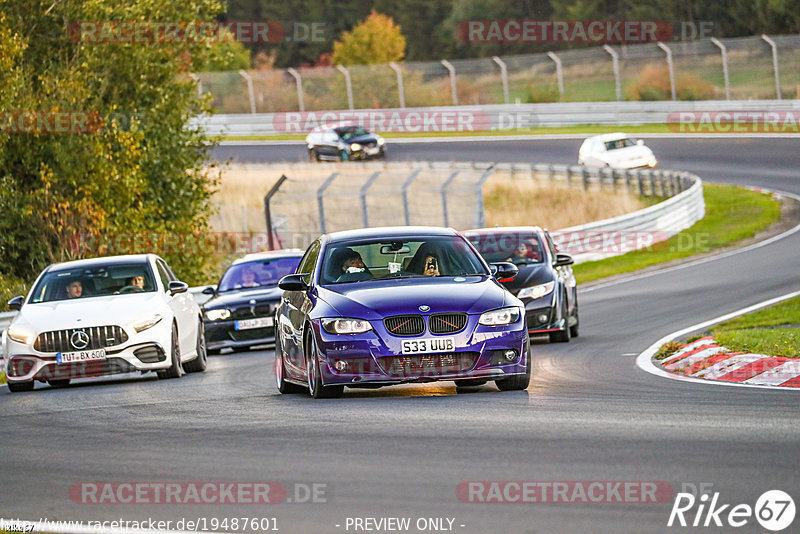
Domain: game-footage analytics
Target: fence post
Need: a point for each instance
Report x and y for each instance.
(250, 90)
(503, 75)
(320, 194)
(452, 70)
(400, 89)
(406, 185)
(585, 179)
(444, 196)
(559, 73)
(267, 213)
(615, 63)
(348, 85)
(299, 81)
(671, 68)
(480, 216)
(772, 44)
(364, 188)
(724, 52)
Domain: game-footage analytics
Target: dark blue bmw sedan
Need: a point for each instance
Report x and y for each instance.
(382, 306)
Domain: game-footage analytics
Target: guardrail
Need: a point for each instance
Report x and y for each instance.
(478, 118)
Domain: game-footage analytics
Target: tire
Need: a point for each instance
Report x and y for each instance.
(315, 387)
(284, 387)
(174, 370)
(59, 383)
(562, 336)
(517, 382)
(18, 387)
(469, 386)
(199, 364)
(574, 329)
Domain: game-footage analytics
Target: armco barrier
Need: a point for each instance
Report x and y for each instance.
(477, 118)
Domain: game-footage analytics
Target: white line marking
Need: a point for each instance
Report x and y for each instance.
(645, 360)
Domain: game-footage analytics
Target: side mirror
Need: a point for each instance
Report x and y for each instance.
(640, 142)
(178, 287)
(563, 259)
(210, 290)
(16, 303)
(293, 282)
(504, 271)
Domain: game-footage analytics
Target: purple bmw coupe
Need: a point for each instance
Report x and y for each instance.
(382, 306)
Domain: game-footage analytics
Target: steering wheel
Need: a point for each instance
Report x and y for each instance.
(131, 289)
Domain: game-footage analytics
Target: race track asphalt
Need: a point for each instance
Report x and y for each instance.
(589, 415)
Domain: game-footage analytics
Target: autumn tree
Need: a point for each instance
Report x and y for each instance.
(375, 40)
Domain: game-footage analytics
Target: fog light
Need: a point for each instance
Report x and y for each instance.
(340, 366)
(510, 355)
(542, 318)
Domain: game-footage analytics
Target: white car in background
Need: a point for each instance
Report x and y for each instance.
(616, 151)
(103, 316)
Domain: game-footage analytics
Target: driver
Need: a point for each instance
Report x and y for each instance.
(74, 289)
(431, 266)
(135, 281)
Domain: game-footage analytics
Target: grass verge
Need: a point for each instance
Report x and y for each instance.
(759, 332)
(732, 214)
(589, 129)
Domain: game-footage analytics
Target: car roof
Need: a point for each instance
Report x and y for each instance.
(102, 260)
(608, 137)
(268, 255)
(389, 232)
(505, 229)
(333, 126)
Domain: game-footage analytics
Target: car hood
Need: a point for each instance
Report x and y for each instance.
(94, 311)
(529, 276)
(628, 153)
(363, 139)
(378, 299)
(243, 296)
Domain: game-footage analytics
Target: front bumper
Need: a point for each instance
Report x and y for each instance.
(223, 335)
(144, 351)
(375, 358)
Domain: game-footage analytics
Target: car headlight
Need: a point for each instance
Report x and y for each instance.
(381, 141)
(499, 317)
(20, 335)
(652, 163)
(536, 292)
(355, 146)
(346, 326)
(148, 322)
(218, 315)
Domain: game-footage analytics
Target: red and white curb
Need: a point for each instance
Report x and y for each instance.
(703, 361)
(707, 360)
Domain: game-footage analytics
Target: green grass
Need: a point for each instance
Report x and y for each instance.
(732, 214)
(750, 333)
(589, 129)
(2, 378)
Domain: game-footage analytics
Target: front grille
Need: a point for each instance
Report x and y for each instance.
(252, 333)
(20, 366)
(405, 325)
(425, 365)
(447, 323)
(261, 309)
(100, 337)
(150, 354)
(87, 369)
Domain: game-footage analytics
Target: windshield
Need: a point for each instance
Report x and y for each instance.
(348, 132)
(95, 281)
(619, 143)
(519, 248)
(257, 273)
(399, 258)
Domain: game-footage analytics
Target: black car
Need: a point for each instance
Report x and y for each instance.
(344, 142)
(241, 311)
(545, 282)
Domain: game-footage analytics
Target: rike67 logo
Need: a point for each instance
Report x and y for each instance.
(774, 510)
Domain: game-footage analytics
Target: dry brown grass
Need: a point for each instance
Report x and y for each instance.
(523, 203)
(508, 201)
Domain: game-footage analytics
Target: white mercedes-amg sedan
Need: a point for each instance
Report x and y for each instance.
(103, 316)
